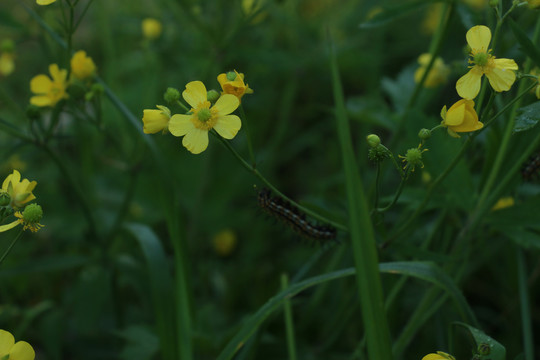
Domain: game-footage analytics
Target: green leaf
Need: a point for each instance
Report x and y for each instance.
(141, 344)
(527, 45)
(161, 285)
(528, 117)
(524, 238)
(422, 270)
(393, 12)
(496, 350)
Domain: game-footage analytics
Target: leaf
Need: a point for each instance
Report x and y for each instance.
(523, 238)
(422, 270)
(528, 117)
(141, 343)
(161, 285)
(496, 350)
(392, 12)
(527, 45)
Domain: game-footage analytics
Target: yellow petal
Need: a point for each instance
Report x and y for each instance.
(195, 94)
(181, 124)
(57, 74)
(456, 114)
(226, 104)
(478, 38)
(433, 357)
(468, 85)
(40, 84)
(40, 100)
(424, 59)
(196, 140)
(228, 126)
(501, 79)
(508, 64)
(222, 79)
(6, 340)
(44, 2)
(154, 121)
(22, 351)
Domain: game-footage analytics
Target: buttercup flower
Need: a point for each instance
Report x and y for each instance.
(194, 127)
(436, 76)
(30, 217)
(44, 2)
(461, 117)
(224, 242)
(439, 356)
(20, 191)
(9, 349)
(82, 66)
(233, 83)
(498, 71)
(48, 91)
(156, 120)
(151, 28)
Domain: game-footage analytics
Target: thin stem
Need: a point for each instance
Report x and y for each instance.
(248, 137)
(11, 246)
(377, 185)
(526, 325)
(396, 196)
(289, 325)
(256, 172)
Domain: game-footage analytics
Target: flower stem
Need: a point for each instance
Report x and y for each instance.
(11, 246)
(289, 325)
(248, 136)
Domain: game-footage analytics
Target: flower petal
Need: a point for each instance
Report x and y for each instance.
(195, 93)
(40, 84)
(228, 126)
(44, 2)
(154, 121)
(57, 74)
(456, 114)
(501, 79)
(433, 357)
(226, 104)
(478, 38)
(505, 64)
(468, 85)
(22, 351)
(196, 141)
(222, 79)
(181, 124)
(41, 100)
(6, 339)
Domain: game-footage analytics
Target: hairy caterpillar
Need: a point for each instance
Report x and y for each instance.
(530, 169)
(292, 216)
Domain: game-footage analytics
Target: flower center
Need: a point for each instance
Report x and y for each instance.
(204, 115)
(481, 58)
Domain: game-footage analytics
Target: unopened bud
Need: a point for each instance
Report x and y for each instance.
(424, 134)
(5, 198)
(212, 96)
(171, 95)
(373, 140)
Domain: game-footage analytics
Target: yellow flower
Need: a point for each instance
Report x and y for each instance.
(151, 28)
(9, 349)
(7, 63)
(432, 18)
(20, 191)
(156, 120)
(82, 66)
(30, 217)
(437, 75)
(461, 117)
(224, 242)
(48, 91)
(439, 356)
(195, 126)
(498, 71)
(233, 83)
(44, 2)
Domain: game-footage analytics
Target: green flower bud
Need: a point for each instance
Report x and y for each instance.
(378, 153)
(424, 134)
(413, 157)
(32, 214)
(33, 112)
(5, 198)
(212, 96)
(231, 76)
(171, 95)
(373, 140)
(483, 349)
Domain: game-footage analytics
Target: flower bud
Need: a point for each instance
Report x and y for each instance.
(5, 199)
(171, 95)
(424, 134)
(373, 140)
(212, 96)
(378, 153)
(32, 214)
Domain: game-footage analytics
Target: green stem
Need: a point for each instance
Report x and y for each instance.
(368, 279)
(396, 196)
(248, 137)
(377, 185)
(289, 325)
(256, 172)
(11, 246)
(528, 343)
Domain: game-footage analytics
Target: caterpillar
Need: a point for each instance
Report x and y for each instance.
(293, 217)
(530, 169)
